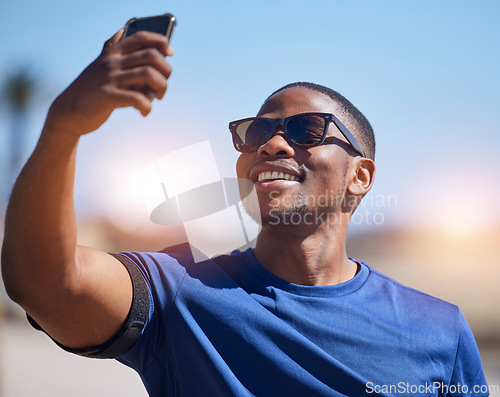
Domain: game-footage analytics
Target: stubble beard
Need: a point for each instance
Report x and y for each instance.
(303, 213)
(286, 216)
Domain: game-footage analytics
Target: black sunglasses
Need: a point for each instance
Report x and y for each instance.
(303, 130)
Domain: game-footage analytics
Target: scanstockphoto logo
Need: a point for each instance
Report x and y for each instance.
(184, 187)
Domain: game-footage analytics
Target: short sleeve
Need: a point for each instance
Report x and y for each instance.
(163, 273)
(468, 377)
(128, 334)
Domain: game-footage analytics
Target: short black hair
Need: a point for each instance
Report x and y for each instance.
(354, 120)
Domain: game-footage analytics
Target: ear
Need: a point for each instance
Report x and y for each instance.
(363, 178)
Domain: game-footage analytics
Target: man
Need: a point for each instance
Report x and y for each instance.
(293, 317)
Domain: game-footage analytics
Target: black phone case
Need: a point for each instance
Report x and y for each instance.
(163, 24)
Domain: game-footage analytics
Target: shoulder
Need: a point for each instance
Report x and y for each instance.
(183, 254)
(173, 264)
(408, 294)
(438, 327)
(419, 309)
(173, 260)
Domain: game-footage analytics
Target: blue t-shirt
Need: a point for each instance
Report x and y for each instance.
(229, 327)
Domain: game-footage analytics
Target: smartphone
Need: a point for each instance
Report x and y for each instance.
(163, 24)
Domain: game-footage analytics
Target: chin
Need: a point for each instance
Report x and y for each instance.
(294, 216)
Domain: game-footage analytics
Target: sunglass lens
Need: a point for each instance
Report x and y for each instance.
(251, 134)
(306, 130)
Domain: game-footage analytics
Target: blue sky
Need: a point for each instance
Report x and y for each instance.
(425, 73)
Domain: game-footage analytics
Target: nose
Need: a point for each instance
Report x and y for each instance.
(277, 146)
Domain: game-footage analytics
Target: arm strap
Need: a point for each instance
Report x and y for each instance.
(131, 329)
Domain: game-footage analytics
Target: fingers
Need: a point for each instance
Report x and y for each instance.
(126, 98)
(142, 76)
(135, 69)
(142, 63)
(144, 39)
(145, 70)
(148, 56)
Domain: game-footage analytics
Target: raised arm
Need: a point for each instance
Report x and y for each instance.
(80, 296)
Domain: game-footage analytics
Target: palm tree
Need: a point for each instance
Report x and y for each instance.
(17, 92)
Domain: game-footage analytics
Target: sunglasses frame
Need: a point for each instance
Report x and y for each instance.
(328, 117)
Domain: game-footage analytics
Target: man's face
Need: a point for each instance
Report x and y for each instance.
(317, 176)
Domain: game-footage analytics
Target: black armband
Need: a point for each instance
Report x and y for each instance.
(131, 329)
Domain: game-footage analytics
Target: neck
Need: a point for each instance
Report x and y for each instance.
(307, 257)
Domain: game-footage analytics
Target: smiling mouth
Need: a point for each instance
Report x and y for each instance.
(274, 176)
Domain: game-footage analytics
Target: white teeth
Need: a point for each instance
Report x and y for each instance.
(270, 176)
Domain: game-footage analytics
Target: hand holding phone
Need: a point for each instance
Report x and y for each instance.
(163, 24)
(125, 67)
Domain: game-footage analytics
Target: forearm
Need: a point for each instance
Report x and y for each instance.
(40, 228)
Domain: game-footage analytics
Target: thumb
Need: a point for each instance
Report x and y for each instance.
(113, 40)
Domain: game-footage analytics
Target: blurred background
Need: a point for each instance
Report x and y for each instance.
(424, 73)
